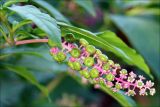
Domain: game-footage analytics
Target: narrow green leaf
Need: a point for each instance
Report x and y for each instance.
(20, 24)
(143, 34)
(42, 20)
(130, 57)
(28, 76)
(124, 100)
(10, 2)
(133, 56)
(51, 10)
(87, 5)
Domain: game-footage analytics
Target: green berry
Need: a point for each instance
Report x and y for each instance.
(110, 62)
(94, 73)
(103, 58)
(75, 52)
(117, 65)
(106, 66)
(118, 86)
(77, 66)
(101, 82)
(69, 37)
(70, 64)
(89, 61)
(61, 56)
(85, 74)
(55, 57)
(98, 52)
(123, 71)
(110, 77)
(90, 49)
(83, 42)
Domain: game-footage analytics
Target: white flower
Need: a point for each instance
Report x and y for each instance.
(139, 83)
(130, 79)
(152, 91)
(149, 84)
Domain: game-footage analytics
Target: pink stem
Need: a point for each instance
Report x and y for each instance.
(31, 41)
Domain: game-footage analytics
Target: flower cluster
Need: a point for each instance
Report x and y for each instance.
(93, 64)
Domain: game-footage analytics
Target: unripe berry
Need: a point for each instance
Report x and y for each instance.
(77, 66)
(85, 74)
(69, 37)
(61, 56)
(55, 57)
(106, 66)
(102, 82)
(89, 61)
(103, 58)
(123, 71)
(110, 77)
(70, 64)
(110, 62)
(83, 42)
(118, 86)
(90, 49)
(98, 52)
(94, 73)
(75, 52)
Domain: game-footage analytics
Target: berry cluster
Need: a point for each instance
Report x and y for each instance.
(93, 64)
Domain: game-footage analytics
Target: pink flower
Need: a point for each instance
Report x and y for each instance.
(109, 84)
(126, 85)
(133, 75)
(72, 59)
(141, 77)
(54, 50)
(149, 84)
(142, 92)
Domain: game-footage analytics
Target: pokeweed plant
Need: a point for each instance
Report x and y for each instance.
(78, 47)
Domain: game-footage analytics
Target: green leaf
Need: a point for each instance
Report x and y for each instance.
(130, 57)
(42, 20)
(124, 100)
(10, 2)
(51, 10)
(87, 5)
(28, 76)
(20, 24)
(144, 36)
(133, 57)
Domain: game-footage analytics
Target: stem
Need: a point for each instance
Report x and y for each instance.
(31, 41)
